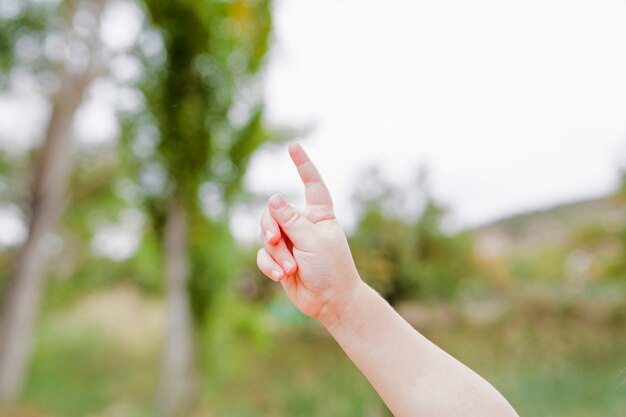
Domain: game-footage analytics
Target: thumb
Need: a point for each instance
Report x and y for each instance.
(297, 228)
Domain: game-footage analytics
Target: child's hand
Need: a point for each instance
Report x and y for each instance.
(307, 251)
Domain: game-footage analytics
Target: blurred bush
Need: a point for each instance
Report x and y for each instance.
(406, 256)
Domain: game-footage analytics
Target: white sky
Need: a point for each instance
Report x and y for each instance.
(512, 105)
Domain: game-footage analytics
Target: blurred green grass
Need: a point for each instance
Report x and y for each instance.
(548, 361)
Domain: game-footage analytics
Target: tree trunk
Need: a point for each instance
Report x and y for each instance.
(25, 286)
(179, 382)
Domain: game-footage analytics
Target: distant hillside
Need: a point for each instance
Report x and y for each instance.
(584, 238)
(553, 226)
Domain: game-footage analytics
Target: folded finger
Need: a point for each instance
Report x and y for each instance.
(282, 256)
(293, 224)
(269, 228)
(268, 266)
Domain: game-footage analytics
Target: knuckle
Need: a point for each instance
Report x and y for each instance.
(291, 216)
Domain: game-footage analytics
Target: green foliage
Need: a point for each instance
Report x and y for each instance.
(213, 53)
(190, 98)
(309, 377)
(617, 268)
(213, 259)
(575, 244)
(535, 356)
(231, 337)
(74, 357)
(27, 29)
(203, 100)
(540, 362)
(621, 192)
(541, 264)
(407, 259)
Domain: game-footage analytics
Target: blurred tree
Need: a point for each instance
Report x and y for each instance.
(208, 111)
(403, 258)
(23, 35)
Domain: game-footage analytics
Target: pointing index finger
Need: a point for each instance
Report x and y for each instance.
(315, 190)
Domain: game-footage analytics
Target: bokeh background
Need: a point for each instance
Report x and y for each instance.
(476, 152)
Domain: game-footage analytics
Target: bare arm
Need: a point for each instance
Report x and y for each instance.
(308, 253)
(412, 375)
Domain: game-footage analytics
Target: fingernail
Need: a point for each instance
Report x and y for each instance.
(277, 274)
(269, 235)
(287, 266)
(278, 201)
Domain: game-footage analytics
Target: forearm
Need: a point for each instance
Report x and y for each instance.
(412, 375)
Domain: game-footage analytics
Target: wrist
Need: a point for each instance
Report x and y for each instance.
(338, 307)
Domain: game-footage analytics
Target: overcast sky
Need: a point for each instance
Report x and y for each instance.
(512, 105)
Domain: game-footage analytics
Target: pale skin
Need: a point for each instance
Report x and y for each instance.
(307, 252)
